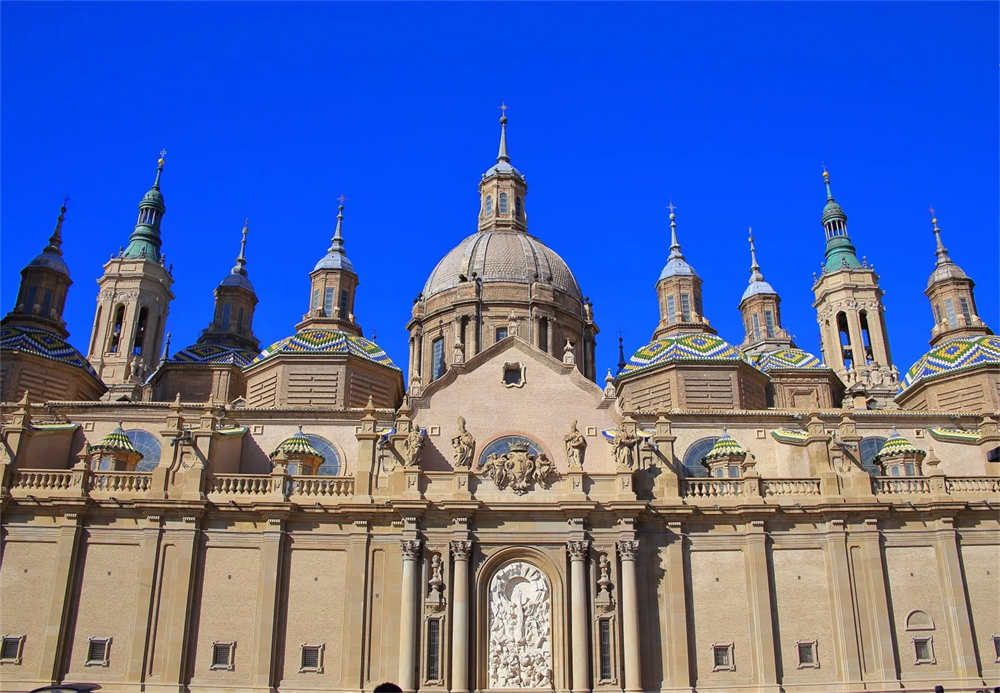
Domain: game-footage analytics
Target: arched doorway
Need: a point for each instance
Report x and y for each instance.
(519, 628)
(387, 688)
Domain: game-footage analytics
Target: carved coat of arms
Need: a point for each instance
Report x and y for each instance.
(519, 468)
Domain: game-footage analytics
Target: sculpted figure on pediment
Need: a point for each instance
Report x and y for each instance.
(624, 444)
(576, 446)
(412, 446)
(464, 445)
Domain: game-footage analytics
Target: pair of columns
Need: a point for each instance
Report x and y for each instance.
(461, 550)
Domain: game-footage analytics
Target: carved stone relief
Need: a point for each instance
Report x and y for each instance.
(519, 654)
(519, 468)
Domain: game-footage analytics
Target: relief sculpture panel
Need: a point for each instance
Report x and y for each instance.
(520, 628)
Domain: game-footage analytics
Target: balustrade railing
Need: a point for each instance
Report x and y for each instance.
(790, 487)
(901, 485)
(119, 482)
(321, 486)
(712, 488)
(42, 479)
(241, 484)
(972, 484)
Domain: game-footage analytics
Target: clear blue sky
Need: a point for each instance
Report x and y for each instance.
(272, 111)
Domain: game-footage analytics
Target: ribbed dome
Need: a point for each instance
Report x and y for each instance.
(502, 256)
(946, 270)
(50, 259)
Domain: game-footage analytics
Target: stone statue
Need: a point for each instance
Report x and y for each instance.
(458, 355)
(569, 357)
(576, 446)
(512, 323)
(412, 446)
(624, 444)
(464, 445)
(604, 601)
(435, 585)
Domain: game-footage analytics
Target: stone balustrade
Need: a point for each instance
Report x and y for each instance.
(122, 483)
(980, 485)
(790, 487)
(41, 481)
(900, 485)
(712, 488)
(320, 486)
(239, 484)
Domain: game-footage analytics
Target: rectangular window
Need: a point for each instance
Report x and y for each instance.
(806, 650)
(604, 642)
(312, 659)
(46, 303)
(29, 299)
(98, 651)
(10, 648)
(227, 311)
(769, 323)
(923, 650)
(909, 469)
(996, 647)
(697, 304)
(949, 309)
(966, 311)
(315, 303)
(722, 657)
(756, 326)
(433, 650)
(328, 302)
(437, 358)
(501, 333)
(937, 312)
(685, 308)
(344, 298)
(671, 310)
(223, 656)
(734, 472)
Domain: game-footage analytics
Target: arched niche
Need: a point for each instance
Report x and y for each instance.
(919, 620)
(554, 575)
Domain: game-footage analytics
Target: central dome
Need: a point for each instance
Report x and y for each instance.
(502, 256)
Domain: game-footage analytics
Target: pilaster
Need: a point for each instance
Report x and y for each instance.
(268, 598)
(409, 600)
(461, 551)
(954, 593)
(628, 551)
(56, 633)
(142, 635)
(578, 551)
(674, 605)
(873, 580)
(762, 606)
(847, 657)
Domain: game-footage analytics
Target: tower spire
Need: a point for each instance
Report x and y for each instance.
(941, 251)
(159, 169)
(675, 246)
(755, 274)
(241, 260)
(840, 252)
(502, 152)
(55, 240)
(337, 242)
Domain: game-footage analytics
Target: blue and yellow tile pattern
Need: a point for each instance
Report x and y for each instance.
(214, 353)
(318, 341)
(48, 345)
(785, 358)
(688, 347)
(954, 355)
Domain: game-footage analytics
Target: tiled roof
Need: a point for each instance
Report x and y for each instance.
(298, 444)
(319, 341)
(117, 440)
(213, 353)
(48, 345)
(784, 358)
(954, 355)
(896, 445)
(688, 347)
(725, 446)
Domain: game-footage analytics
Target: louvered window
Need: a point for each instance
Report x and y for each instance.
(10, 648)
(604, 636)
(223, 655)
(769, 323)
(98, 651)
(685, 308)
(433, 650)
(312, 659)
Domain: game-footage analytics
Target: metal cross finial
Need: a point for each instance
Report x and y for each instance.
(503, 108)
(341, 199)
(65, 200)
(671, 206)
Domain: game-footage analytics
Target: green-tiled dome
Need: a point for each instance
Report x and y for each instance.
(896, 444)
(117, 441)
(298, 444)
(726, 446)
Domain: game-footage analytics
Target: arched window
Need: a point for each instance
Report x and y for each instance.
(503, 203)
(331, 465)
(148, 444)
(437, 358)
(116, 330)
(488, 210)
(95, 335)
(693, 455)
(845, 341)
(869, 448)
(140, 331)
(226, 312)
(517, 207)
(866, 337)
(501, 446)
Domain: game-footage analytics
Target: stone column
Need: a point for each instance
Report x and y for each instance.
(409, 643)
(578, 551)
(628, 549)
(551, 335)
(460, 552)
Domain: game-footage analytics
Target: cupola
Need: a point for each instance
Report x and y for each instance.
(679, 292)
(333, 284)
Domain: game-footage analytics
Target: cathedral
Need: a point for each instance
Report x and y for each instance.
(497, 514)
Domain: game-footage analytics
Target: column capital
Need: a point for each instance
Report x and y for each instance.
(410, 549)
(628, 548)
(578, 549)
(461, 549)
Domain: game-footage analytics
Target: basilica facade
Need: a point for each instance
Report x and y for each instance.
(496, 514)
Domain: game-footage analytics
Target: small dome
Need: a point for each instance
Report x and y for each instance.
(153, 197)
(32, 340)
(677, 266)
(236, 279)
(213, 353)
(756, 288)
(896, 444)
(321, 342)
(334, 260)
(502, 256)
(789, 358)
(946, 270)
(502, 167)
(50, 259)
(726, 446)
(297, 445)
(117, 441)
(687, 347)
(832, 210)
(954, 355)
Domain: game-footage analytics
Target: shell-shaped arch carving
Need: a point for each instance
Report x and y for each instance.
(919, 620)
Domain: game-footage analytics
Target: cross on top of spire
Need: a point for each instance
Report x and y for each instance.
(341, 199)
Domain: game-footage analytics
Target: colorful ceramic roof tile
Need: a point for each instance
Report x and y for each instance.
(955, 435)
(213, 353)
(318, 341)
(233, 431)
(56, 426)
(610, 433)
(954, 355)
(789, 358)
(298, 444)
(726, 446)
(48, 345)
(117, 441)
(687, 347)
(787, 435)
(896, 444)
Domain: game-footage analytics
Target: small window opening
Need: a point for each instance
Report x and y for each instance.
(10, 649)
(488, 210)
(996, 648)
(671, 310)
(223, 655)
(140, 331)
(756, 327)
(434, 649)
(46, 303)
(116, 330)
(845, 341)
(937, 313)
(866, 336)
(807, 654)
(513, 375)
(328, 302)
(769, 323)
(923, 650)
(315, 300)
(501, 333)
(685, 308)
(312, 659)
(604, 642)
(226, 313)
(98, 651)
(345, 297)
(722, 657)
(239, 321)
(949, 309)
(503, 203)
(518, 211)
(437, 358)
(966, 310)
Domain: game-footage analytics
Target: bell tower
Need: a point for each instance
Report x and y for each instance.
(848, 303)
(132, 303)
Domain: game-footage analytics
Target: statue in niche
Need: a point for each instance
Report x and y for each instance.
(412, 446)
(576, 446)
(624, 444)
(519, 652)
(464, 445)
(604, 601)
(435, 585)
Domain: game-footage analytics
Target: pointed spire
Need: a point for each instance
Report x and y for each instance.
(941, 251)
(674, 243)
(159, 169)
(755, 274)
(621, 354)
(241, 260)
(826, 180)
(55, 240)
(502, 152)
(337, 242)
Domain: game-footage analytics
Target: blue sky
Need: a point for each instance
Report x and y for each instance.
(272, 111)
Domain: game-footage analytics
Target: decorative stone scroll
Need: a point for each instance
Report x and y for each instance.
(576, 447)
(519, 653)
(519, 468)
(464, 445)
